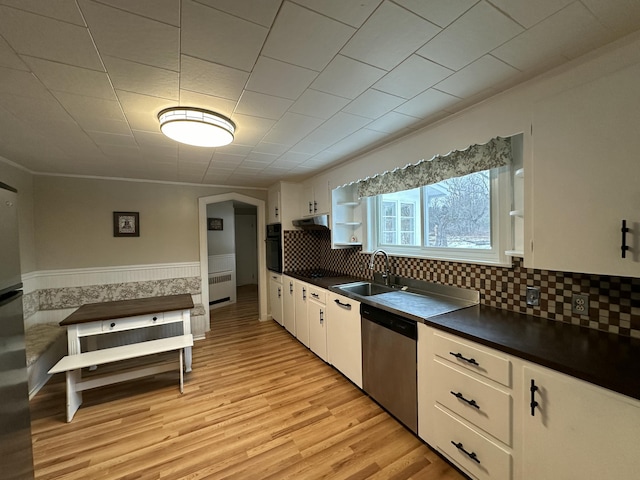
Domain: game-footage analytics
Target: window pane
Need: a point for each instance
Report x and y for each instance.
(459, 212)
(399, 218)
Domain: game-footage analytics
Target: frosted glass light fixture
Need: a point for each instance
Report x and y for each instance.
(196, 126)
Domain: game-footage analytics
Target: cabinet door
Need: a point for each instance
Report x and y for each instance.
(289, 305)
(275, 298)
(273, 201)
(317, 329)
(585, 177)
(302, 319)
(578, 430)
(344, 340)
(321, 197)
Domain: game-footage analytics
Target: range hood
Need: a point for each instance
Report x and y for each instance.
(320, 222)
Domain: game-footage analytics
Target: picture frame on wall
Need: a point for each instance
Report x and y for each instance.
(214, 224)
(126, 224)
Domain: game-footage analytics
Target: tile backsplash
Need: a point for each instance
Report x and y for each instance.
(614, 302)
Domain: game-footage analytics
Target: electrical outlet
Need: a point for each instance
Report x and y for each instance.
(533, 296)
(580, 304)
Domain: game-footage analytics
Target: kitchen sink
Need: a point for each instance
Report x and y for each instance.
(365, 289)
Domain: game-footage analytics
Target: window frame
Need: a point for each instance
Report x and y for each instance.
(501, 231)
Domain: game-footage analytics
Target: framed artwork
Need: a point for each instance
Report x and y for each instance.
(126, 224)
(214, 224)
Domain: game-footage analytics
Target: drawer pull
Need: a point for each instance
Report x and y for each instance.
(471, 455)
(315, 295)
(459, 356)
(344, 305)
(461, 397)
(155, 318)
(533, 404)
(113, 324)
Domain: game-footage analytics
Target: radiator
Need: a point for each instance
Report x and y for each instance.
(222, 279)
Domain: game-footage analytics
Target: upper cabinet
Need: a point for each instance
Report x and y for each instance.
(315, 198)
(585, 177)
(283, 200)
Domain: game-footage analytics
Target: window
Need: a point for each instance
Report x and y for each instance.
(463, 219)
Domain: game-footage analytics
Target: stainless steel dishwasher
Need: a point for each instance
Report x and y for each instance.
(389, 363)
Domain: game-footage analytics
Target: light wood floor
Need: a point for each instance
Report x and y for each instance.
(258, 405)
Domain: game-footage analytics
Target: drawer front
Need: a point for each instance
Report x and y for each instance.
(474, 358)
(318, 294)
(120, 324)
(479, 403)
(471, 451)
(276, 277)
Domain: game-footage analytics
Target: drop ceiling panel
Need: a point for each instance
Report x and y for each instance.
(251, 130)
(351, 13)
(141, 111)
(214, 35)
(210, 102)
(411, 77)
(132, 37)
(481, 74)
(102, 139)
(47, 38)
(305, 38)
(273, 77)
(211, 79)
(392, 122)
(341, 125)
(65, 10)
(8, 57)
(440, 12)
(621, 16)
(79, 106)
(314, 103)
(101, 124)
(346, 77)
(373, 104)
(528, 13)
(139, 78)
(261, 105)
(21, 83)
(389, 36)
(166, 11)
(477, 32)
(270, 148)
(291, 128)
(427, 103)
(360, 139)
(261, 12)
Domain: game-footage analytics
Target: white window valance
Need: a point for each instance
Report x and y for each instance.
(495, 153)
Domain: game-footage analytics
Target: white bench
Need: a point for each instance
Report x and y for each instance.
(72, 365)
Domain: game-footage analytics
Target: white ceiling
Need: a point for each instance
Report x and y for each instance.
(309, 83)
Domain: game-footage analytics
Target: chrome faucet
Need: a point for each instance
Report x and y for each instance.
(385, 274)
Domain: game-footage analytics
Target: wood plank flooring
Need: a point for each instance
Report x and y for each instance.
(258, 405)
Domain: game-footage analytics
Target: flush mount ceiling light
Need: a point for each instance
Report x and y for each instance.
(195, 126)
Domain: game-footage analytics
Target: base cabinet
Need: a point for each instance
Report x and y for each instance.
(289, 305)
(301, 290)
(275, 297)
(344, 340)
(316, 312)
(577, 430)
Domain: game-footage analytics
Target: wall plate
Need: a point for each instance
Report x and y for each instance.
(533, 296)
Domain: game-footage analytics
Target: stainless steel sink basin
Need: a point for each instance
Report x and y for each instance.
(364, 289)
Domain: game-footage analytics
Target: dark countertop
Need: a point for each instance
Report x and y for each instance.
(601, 358)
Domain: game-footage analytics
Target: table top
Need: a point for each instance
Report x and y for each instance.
(93, 312)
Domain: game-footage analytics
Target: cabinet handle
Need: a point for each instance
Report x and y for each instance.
(315, 295)
(315, 206)
(276, 212)
(304, 293)
(624, 231)
(321, 317)
(461, 397)
(343, 305)
(310, 207)
(290, 287)
(471, 455)
(459, 356)
(534, 388)
(113, 324)
(279, 292)
(155, 318)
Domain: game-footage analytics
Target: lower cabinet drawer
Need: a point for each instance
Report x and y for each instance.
(481, 404)
(119, 324)
(318, 294)
(473, 452)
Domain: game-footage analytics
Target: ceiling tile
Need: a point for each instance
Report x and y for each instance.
(260, 105)
(138, 78)
(44, 37)
(292, 158)
(481, 74)
(477, 32)
(44, 114)
(318, 104)
(414, 75)
(102, 138)
(389, 36)
(223, 106)
(251, 130)
(8, 57)
(132, 37)
(193, 154)
(70, 79)
(337, 127)
(363, 138)
(65, 10)
(213, 35)
(427, 103)
(291, 128)
(373, 104)
(440, 12)
(528, 13)
(568, 32)
(166, 11)
(622, 16)
(351, 13)
(21, 83)
(346, 77)
(258, 11)
(305, 38)
(81, 106)
(308, 147)
(101, 124)
(273, 77)
(211, 79)
(269, 148)
(142, 110)
(393, 122)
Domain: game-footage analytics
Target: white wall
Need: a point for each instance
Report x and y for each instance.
(246, 248)
(222, 242)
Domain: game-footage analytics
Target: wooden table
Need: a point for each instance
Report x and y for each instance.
(95, 319)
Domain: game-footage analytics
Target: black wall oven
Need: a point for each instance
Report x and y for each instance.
(274, 247)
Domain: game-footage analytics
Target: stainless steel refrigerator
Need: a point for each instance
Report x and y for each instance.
(16, 455)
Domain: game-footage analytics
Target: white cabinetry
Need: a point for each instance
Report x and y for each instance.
(288, 304)
(275, 296)
(283, 204)
(344, 340)
(346, 217)
(316, 313)
(577, 430)
(315, 198)
(273, 204)
(301, 290)
(585, 177)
